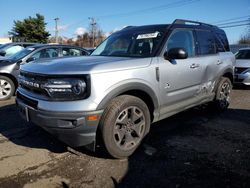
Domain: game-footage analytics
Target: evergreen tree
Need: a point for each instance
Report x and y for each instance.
(31, 29)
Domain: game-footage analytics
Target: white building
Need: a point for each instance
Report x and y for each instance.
(4, 40)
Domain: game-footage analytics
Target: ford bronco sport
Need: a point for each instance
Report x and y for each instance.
(137, 76)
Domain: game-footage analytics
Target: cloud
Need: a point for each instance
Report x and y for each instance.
(60, 28)
(80, 31)
(63, 27)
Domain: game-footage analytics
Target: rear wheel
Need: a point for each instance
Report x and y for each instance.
(222, 98)
(124, 124)
(7, 88)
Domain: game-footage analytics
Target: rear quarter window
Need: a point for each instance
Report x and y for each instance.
(206, 42)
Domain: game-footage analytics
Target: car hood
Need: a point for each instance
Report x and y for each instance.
(242, 63)
(6, 62)
(84, 65)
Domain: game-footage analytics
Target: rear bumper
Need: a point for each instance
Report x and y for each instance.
(73, 128)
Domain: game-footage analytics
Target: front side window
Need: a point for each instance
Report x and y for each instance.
(134, 44)
(243, 54)
(182, 39)
(206, 43)
(46, 53)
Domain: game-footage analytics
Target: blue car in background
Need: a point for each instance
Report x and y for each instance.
(9, 66)
(9, 49)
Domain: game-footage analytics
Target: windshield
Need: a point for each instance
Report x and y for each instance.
(22, 54)
(4, 45)
(243, 54)
(124, 44)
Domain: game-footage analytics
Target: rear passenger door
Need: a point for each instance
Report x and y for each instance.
(209, 59)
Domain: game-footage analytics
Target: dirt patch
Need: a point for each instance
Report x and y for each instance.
(197, 148)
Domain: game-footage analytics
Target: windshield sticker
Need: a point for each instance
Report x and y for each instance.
(30, 49)
(148, 35)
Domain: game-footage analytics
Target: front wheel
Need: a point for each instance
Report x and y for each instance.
(7, 88)
(124, 124)
(222, 98)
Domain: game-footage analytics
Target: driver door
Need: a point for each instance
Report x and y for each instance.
(180, 79)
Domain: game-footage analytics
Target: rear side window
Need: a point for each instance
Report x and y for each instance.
(71, 52)
(219, 45)
(223, 39)
(206, 43)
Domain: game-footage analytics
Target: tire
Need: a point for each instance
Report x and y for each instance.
(222, 97)
(124, 124)
(7, 88)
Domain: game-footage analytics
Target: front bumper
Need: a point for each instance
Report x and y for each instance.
(73, 128)
(242, 78)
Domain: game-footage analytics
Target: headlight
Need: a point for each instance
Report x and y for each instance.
(68, 89)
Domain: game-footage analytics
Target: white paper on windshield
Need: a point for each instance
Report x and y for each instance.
(30, 49)
(148, 35)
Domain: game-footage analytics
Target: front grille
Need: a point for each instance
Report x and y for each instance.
(30, 102)
(239, 70)
(35, 83)
(33, 78)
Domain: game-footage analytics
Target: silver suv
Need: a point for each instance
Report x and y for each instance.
(137, 76)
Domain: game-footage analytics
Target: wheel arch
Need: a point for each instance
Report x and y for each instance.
(139, 90)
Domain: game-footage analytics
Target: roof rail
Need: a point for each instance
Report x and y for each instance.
(181, 21)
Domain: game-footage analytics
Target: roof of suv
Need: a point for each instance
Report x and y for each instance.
(176, 24)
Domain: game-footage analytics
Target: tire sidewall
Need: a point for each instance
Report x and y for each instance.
(112, 112)
(217, 98)
(12, 87)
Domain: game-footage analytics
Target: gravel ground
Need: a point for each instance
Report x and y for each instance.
(196, 148)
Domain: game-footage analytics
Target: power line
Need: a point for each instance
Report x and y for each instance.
(236, 22)
(175, 4)
(152, 9)
(231, 19)
(237, 25)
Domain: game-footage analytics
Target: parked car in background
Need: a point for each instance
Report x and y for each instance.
(9, 49)
(242, 67)
(9, 67)
(137, 76)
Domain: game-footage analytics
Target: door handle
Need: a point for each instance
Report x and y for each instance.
(193, 66)
(219, 62)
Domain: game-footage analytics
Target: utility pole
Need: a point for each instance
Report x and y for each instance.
(93, 28)
(56, 29)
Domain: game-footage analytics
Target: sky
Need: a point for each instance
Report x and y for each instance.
(113, 15)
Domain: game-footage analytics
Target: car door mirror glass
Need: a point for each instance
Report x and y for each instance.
(30, 59)
(176, 53)
(2, 53)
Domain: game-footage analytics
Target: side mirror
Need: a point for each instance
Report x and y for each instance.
(30, 59)
(176, 53)
(2, 53)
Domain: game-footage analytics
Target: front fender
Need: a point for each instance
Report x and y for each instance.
(126, 87)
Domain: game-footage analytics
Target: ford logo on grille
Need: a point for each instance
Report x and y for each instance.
(28, 83)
